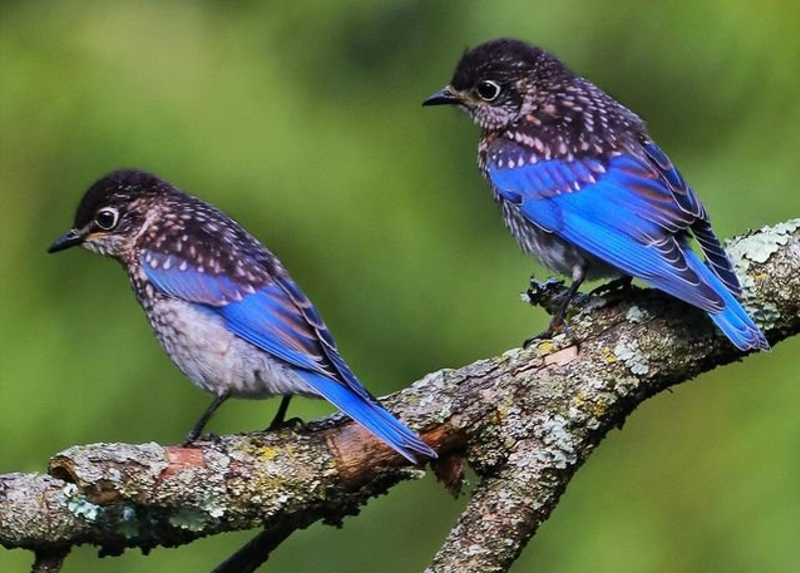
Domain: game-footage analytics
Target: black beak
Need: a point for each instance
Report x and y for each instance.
(444, 96)
(69, 239)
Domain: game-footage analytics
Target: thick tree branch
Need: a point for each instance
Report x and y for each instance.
(525, 421)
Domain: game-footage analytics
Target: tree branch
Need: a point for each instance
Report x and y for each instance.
(525, 421)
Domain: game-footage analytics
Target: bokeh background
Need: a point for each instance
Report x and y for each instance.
(303, 121)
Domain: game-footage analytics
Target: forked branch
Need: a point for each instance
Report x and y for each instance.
(525, 421)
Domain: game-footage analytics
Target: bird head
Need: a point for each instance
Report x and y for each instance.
(113, 213)
(497, 82)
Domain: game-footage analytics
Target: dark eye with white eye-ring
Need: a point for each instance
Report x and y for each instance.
(488, 90)
(107, 218)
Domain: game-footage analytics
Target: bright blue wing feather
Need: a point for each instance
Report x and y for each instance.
(701, 228)
(636, 214)
(372, 416)
(265, 320)
(176, 277)
(733, 320)
(276, 316)
(617, 213)
(279, 319)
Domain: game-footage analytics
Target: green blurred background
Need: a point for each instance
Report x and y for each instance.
(303, 121)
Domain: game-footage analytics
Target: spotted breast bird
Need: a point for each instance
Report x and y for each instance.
(583, 187)
(223, 306)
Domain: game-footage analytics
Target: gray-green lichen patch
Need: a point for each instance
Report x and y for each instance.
(766, 314)
(190, 519)
(594, 303)
(514, 354)
(430, 385)
(636, 315)
(413, 474)
(629, 353)
(758, 248)
(431, 393)
(100, 463)
(560, 450)
(78, 505)
(214, 507)
(581, 416)
(129, 522)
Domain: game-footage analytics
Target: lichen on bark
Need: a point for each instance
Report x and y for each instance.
(525, 421)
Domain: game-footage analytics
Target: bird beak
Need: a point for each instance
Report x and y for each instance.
(445, 96)
(69, 239)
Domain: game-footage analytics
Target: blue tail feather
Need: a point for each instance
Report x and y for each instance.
(372, 416)
(733, 320)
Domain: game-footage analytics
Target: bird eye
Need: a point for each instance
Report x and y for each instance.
(488, 90)
(107, 218)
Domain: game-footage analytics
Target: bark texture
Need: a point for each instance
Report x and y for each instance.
(525, 421)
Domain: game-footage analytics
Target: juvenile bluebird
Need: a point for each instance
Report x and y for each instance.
(583, 187)
(223, 306)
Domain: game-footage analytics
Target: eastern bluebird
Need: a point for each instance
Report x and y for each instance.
(584, 189)
(223, 306)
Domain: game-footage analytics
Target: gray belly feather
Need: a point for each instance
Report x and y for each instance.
(550, 250)
(214, 358)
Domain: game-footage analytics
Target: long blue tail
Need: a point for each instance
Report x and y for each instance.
(372, 416)
(733, 320)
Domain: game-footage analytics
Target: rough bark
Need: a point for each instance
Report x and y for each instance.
(525, 421)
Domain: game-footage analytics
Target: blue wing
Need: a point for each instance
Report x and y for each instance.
(278, 318)
(635, 212)
(701, 226)
(626, 210)
(273, 315)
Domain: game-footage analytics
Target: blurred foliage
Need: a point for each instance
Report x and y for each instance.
(302, 120)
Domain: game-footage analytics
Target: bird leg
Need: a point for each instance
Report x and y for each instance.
(280, 416)
(280, 421)
(557, 322)
(201, 423)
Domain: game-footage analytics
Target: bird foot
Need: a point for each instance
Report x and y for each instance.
(292, 423)
(544, 335)
(193, 437)
(552, 331)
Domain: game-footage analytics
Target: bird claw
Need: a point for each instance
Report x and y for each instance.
(190, 439)
(193, 437)
(544, 335)
(291, 423)
(550, 332)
